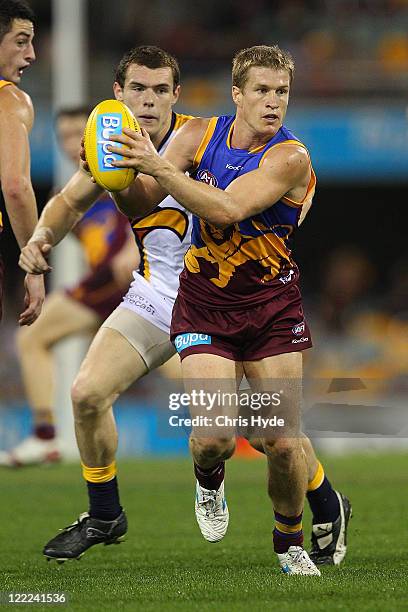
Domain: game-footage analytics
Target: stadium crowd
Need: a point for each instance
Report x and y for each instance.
(341, 47)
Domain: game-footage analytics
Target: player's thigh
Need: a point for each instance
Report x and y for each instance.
(287, 365)
(212, 383)
(126, 347)
(110, 366)
(147, 338)
(279, 379)
(171, 369)
(61, 317)
(212, 367)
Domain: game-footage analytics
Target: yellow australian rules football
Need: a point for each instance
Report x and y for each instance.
(107, 118)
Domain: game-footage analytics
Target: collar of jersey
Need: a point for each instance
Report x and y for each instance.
(240, 151)
(169, 131)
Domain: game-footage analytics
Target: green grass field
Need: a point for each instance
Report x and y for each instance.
(166, 565)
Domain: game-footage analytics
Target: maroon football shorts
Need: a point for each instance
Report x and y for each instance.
(1, 286)
(98, 291)
(272, 328)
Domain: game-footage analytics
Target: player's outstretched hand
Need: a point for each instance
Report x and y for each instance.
(33, 257)
(33, 299)
(138, 151)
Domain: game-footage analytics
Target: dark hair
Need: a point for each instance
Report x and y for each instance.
(73, 111)
(151, 57)
(10, 10)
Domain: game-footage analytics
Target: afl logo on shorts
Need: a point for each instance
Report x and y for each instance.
(299, 329)
(205, 176)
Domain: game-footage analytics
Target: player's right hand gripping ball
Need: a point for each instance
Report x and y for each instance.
(107, 118)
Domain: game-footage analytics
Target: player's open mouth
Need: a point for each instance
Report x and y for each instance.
(22, 68)
(270, 117)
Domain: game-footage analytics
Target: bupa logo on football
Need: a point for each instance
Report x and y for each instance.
(184, 341)
(106, 126)
(207, 177)
(299, 329)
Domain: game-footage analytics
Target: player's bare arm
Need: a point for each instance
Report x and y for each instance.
(58, 217)
(16, 120)
(284, 172)
(146, 192)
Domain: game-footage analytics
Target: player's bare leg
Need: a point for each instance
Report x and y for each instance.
(171, 369)
(287, 469)
(110, 366)
(61, 317)
(312, 462)
(211, 446)
(331, 509)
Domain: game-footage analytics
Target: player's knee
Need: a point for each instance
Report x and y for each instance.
(87, 398)
(213, 449)
(282, 449)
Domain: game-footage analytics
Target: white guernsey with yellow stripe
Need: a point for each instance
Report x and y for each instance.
(163, 237)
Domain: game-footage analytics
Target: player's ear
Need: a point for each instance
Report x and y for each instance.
(176, 94)
(236, 95)
(118, 91)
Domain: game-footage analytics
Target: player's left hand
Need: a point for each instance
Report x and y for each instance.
(83, 164)
(138, 151)
(33, 299)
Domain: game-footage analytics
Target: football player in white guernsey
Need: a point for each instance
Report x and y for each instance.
(135, 338)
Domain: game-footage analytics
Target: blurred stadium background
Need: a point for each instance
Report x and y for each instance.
(349, 106)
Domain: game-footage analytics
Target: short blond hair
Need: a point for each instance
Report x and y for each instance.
(261, 56)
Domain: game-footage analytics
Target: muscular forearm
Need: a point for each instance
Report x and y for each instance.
(143, 195)
(211, 204)
(56, 220)
(22, 212)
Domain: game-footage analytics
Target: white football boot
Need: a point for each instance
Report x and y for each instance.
(211, 513)
(297, 561)
(32, 451)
